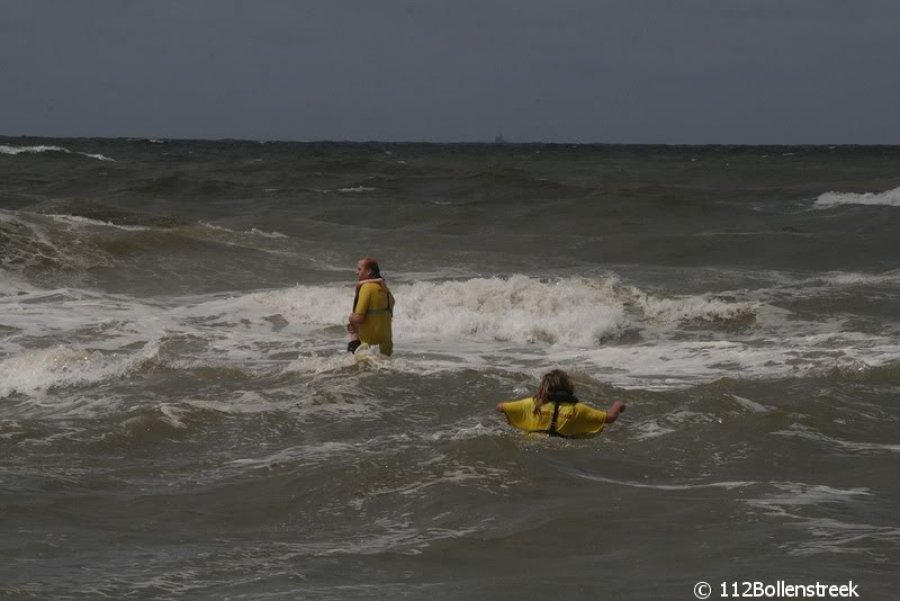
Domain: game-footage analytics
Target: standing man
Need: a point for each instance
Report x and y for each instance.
(373, 309)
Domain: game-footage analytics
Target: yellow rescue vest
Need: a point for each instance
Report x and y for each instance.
(375, 301)
(567, 419)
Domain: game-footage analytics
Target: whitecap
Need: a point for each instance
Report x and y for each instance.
(890, 198)
(14, 150)
(751, 406)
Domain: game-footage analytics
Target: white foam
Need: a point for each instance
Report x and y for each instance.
(728, 485)
(518, 309)
(751, 406)
(842, 278)
(86, 222)
(365, 357)
(252, 231)
(173, 415)
(440, 471)
(890, 198)
(706, 308)
(62, 366)
(247, 402)
(258, 232)
(665, 364)
(355, 190)
(649, 429)
(799, 431)
(464, 431)
(515, 324)
(835, 536)
(14, 150)
(800, 502)
(786, 286)
(326, 449)
(99, 157)
(14, 285)
(794, 494)
(253, 238)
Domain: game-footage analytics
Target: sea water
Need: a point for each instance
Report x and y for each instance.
(179, 420)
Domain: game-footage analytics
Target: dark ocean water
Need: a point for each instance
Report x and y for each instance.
(177, 419)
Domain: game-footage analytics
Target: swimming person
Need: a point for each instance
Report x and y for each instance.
(555, 410)
(373, 308)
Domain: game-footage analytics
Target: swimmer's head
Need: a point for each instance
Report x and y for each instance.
(367, 269)
(553, 381)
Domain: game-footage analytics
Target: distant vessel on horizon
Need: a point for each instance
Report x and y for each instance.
(499, 139)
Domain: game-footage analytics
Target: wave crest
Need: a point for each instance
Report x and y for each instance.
(15, 150)
(890, 198)
(577, 312)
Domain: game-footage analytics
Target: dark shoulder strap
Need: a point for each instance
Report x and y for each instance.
(558, 398)
(552, 431)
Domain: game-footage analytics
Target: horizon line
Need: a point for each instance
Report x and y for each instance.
(504, 142)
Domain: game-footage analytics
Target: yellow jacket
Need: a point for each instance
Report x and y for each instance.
(572, 419)
(375, 301)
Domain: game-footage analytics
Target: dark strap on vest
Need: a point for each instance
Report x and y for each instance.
(559, 397)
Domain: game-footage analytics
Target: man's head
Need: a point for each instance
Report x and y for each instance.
(367, 269)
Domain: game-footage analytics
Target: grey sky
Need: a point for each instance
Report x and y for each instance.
(641, 71)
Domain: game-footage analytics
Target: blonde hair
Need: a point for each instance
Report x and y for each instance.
(553, 381)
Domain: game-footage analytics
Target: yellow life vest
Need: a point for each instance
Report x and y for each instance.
(567, 418)
(375, 301)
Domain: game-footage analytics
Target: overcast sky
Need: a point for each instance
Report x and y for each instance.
(629, 71)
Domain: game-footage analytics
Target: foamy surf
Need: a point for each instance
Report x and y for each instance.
(888, 198)
(617, 333)
(15, 150)
(35, 372)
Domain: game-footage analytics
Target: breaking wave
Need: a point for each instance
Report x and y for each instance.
(890, 198)
(14, 150)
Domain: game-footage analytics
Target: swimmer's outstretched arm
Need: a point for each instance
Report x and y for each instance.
(612, 414)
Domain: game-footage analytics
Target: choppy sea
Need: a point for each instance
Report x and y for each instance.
(179, 420)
